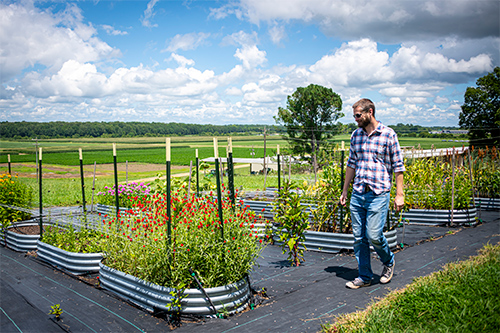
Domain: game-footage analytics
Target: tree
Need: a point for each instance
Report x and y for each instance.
(309, 120)
(481, 110)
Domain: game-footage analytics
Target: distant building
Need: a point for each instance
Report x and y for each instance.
(450, 132)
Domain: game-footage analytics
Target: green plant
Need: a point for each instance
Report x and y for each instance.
(127, 194)
(324, 195)
(175, 305)
(292, 220)
(137, 242)
(428, 184)
(56, 310)
(13, 193)
(71, 239)
(485, 165)
(463, 297)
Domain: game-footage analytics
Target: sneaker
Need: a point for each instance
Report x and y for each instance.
(357, 283)
(387, 273)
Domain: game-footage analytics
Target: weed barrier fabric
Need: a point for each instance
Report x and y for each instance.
(300, 298)
(29, 287)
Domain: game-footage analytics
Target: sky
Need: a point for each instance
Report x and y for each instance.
(235, 62)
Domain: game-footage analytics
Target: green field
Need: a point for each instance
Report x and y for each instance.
(152, 150)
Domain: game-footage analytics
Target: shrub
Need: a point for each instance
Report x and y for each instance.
(127, 194)
(137, 243)
(16, 194)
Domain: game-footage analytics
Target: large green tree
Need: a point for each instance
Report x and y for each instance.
(310, 120)
(481, 110)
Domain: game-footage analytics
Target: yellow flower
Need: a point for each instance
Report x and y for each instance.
(12, 182)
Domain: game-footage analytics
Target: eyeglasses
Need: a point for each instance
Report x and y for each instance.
(357, 115)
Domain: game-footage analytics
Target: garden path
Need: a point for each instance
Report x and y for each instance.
(301, 298)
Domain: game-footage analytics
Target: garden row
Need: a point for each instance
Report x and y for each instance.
(170, 247)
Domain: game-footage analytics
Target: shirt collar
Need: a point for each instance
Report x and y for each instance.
(378, 129)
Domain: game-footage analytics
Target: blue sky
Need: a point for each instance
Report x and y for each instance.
(235, 62)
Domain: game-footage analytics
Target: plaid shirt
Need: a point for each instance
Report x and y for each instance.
(375, 158)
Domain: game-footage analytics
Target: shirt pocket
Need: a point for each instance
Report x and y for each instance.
(380, 153)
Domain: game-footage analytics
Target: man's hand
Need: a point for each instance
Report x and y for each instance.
(399, 202)
(342, 199)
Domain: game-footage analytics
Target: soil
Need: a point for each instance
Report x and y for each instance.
(26, 230)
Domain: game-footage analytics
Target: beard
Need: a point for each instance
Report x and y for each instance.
(364, 122)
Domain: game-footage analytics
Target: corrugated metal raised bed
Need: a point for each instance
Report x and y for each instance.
(76, 263)
(230, 298)
(264, 208)
(488, 203)
(20, 242)
(440, 217)
(331, 242)
(109, 210)
(260, 207)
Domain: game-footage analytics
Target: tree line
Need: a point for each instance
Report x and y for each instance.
(60, 129)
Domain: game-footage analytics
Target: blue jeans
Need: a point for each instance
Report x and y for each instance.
(368, 215)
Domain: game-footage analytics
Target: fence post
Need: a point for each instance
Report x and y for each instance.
(8, 159)
(190, 176)
(116, 181)
(279, 165)
(230, 173)
(167, 180)
(93, 190)
(471, 178)
(342, 184)
(82, 179)
(452, 185)
(219, 194)
(40, 223)
(197, 174)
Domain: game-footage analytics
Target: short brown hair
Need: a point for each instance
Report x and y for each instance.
(365, 104)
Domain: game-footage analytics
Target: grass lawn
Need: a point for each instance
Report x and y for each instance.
(463, 297)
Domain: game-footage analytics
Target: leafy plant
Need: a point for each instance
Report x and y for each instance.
(292, 220)
(68, 238)
(428, 185)
(486, 172)
(127, 194)
(16, 194)
(325, 194)
(56, 310)
(138, 242)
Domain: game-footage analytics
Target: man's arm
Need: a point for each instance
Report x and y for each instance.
(349, 176)
(399, 201)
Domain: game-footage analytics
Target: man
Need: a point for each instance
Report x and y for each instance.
(374, 156)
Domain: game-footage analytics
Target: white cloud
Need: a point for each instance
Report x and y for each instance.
(186, 42)
(374, 18)
(440, 100)
(182, 61)
(251, 56)
(277, 33)
(355, 63)
(149, 14)
(112, 31)
(26, 32)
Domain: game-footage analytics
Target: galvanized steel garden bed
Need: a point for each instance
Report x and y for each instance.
(331, 242)
(76, 263)
(441, 216)
(19, 242)
(230, 298)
